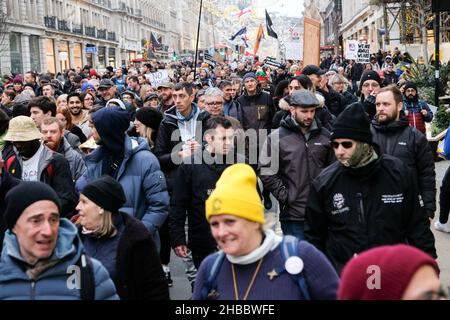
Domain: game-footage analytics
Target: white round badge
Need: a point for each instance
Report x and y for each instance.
(294, 265)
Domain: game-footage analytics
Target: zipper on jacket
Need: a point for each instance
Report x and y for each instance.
(33, 290)
(360, 209)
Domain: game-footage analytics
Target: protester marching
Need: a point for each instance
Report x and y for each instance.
(108, 166)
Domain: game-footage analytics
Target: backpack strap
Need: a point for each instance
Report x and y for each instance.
(87, 281)
(209, 291)
(9, 162)
(290, 248)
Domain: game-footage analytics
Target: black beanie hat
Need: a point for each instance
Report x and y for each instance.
(150, 117)
(23, 195)
(353, 123)
(369, 75)
(106, 192)
(410, 85)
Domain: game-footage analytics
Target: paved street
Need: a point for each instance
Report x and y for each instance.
(181, 289)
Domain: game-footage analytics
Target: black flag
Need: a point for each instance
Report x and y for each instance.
(270, 31)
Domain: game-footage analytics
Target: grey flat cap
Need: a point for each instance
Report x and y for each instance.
(304, 98)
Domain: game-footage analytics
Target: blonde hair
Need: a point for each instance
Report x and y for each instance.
(143, 92)
(147, 134)
(108, 228)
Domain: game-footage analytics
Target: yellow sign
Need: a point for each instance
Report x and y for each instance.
(311, 42)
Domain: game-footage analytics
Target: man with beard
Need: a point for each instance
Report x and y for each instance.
(33, 161)
(417, 110)
(292, 157)
(107, 90)
(393, 134)
(53, 137)
(79, 116)
(165, 96)
(365, 199)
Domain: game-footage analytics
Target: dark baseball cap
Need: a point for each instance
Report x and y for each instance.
(151, 96)
(106, 83)
(313, 69)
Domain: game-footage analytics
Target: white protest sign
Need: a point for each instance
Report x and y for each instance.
(294, 50)
(158, 77)
(363, 53)
(351, 50)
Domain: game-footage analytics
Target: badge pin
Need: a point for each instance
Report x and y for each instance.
(294, 265)
(272, 274)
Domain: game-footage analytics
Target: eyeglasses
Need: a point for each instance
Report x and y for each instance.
(216, 103)
(345, 144)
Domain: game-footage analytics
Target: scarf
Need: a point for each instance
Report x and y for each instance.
(363, 155)
(270, 242)
(35, 271)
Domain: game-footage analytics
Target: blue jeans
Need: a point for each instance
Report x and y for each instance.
(293, 228)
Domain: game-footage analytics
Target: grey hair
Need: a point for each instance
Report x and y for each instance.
(213, 92)
(338, 78)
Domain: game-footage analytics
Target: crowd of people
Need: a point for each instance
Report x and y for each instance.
(109, 172)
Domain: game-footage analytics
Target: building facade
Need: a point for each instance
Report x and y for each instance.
(54, 35)
(362, 21)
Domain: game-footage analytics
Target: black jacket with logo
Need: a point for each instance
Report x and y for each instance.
(290, 161)
(193, 184)
(351, 210)
(408, 144)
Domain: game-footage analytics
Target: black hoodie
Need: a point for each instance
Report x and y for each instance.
(111, 124)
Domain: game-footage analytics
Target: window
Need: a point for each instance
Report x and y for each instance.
(64, 55)
(50, 56)
(112, 57)
(101, 57)
(77, 55)
(16, 52)
(35, 53)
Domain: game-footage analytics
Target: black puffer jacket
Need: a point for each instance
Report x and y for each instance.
(401, 140)
(289, 163)
(352, 210)
(194, 182)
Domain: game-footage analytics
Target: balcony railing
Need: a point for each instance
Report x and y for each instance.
(63, 25)
(89, 31)
(111, 36)
(77, 28)
(101, 34)
(50, 22)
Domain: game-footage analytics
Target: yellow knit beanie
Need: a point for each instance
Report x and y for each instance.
(236, 194)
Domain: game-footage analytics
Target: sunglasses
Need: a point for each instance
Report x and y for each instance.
(345, 144)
